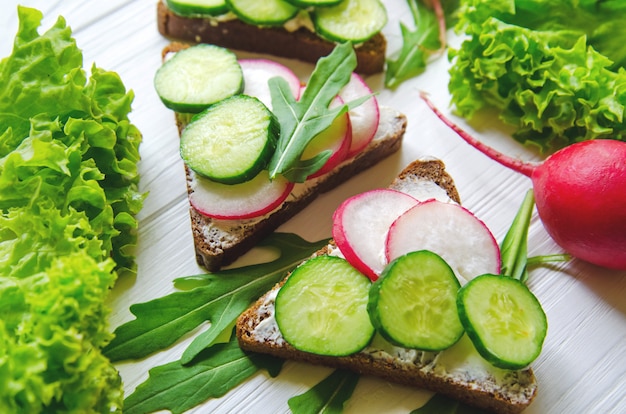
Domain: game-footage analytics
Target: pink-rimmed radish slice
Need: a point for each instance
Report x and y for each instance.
(336, 138)
(250, 199)
(360, 226)
(364, 118)
(256, 74)
(449, 230)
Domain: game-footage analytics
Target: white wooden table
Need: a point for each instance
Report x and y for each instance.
(582, 368)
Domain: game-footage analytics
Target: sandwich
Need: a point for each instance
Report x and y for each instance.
(299, 35)
(221, 237)
(458, 371)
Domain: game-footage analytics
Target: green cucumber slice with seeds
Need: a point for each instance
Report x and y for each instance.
(413, 303)
(351, 20)
(322, 308)
(504, 320)
(263, 13)
(231, 141)
(197, 77)
(198, 7)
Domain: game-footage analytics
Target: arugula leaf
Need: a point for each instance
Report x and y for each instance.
(301, 121)
(426, 40)
(417, 45)
(178, 387)
(328, 396)
(219, 298)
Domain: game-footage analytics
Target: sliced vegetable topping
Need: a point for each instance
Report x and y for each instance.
(198, 7)
(314, 3)
(263, 13)
(197, 77)
(413, 303)
(231, 141)
(322, 308)
(256, 74)
(452, 232)
(360, 226)
(253, 198)
(350, 21)
(336, 140)
(504, 320)
(364, 119)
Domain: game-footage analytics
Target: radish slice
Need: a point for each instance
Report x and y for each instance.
(364, 118)
(336, 138)
(251, 199)
(256, 74)
(452, 232)
(360, 226)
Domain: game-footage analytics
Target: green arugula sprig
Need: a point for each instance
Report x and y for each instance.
(328, 396)
(218, 297)
(209, 367)
(178, 387)
(418, 45)
(301, 121)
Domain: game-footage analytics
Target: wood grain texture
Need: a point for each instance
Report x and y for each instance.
(581, 369)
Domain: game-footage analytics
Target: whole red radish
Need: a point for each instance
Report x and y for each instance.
(580, 193)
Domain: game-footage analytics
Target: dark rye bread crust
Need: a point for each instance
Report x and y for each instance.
(388, 369)
(235, 34)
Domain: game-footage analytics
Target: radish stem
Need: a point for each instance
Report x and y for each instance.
(526, 168)
(436, 6)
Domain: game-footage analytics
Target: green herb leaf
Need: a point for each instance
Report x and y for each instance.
(219, 298)
(327, 396)
(178, 387)
(417, 45)
(301, 121)
(440, 404)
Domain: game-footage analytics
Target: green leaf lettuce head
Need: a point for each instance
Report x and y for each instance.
(554, 70)
(68, 201)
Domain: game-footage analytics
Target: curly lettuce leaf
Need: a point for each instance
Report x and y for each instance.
(551, 69)
(68, 200)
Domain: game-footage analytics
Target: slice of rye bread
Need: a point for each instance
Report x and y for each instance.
(220, 242)
(300, 44)
(458, 372)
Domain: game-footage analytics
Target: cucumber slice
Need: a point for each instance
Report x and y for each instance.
(314, 3)
(322, 308)
(413, 303)
(504, 320)
(231, 141)
(263, 13)
(198, 7)
(351, 20)
(197, 77)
